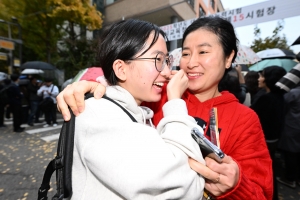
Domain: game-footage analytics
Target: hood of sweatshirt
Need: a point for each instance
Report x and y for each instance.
(141, 113)
(225, 98)
(201, 110)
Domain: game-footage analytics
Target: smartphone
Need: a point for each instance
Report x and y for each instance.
(207, 147)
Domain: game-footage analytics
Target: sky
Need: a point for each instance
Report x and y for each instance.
(246, 33)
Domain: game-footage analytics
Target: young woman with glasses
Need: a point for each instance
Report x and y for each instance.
(116, 158)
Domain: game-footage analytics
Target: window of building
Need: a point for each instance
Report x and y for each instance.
(212, 4)
(108, 2)
(201, 12)
(99, 5)
(191, 2)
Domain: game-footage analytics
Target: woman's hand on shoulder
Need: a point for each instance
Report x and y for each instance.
(177, 85)
(220, 177)
(73, 96)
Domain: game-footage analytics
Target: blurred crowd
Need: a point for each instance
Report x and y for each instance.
(23, 99)
(278, 111)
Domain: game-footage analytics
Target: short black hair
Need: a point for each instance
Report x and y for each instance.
(47, 80)
(32, 78)
(123, 40)
(251, 81)
(231, 84)
(14, 77)
(272, 75)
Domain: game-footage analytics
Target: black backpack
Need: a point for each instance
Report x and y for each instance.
(63, 161)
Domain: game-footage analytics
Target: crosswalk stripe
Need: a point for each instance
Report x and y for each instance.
(50, 137)
(43, 129)
(36, 124)
(26, 125)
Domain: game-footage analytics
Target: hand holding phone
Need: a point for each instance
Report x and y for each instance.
(207, 147)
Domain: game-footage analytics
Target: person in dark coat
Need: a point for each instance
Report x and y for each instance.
(15, 103)
(3, 102)
(270, 110)
(34, 100)
(252, 86)
(290, 138)
(7, 83)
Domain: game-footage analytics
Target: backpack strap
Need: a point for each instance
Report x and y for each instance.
(126, 111)
(113, 101)
(63, 161)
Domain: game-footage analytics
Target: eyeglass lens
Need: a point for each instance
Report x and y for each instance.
(161, 61)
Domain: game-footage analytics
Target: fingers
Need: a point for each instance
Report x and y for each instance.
(214, 165)
(228, 169)
(63, 107)
(73, 96)
(204, 170)
(175, 87)
(227, 159)
(213, 188)
(173, 72)
(238, 68)
(99, 90)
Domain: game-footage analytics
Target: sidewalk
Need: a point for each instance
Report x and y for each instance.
(285, 192)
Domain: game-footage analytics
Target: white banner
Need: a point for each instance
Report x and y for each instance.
(254, 14)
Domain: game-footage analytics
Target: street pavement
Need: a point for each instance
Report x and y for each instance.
(24, 157)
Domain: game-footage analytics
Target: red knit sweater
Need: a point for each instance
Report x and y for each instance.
(241, 137)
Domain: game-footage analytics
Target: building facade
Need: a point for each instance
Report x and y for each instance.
(159, 12)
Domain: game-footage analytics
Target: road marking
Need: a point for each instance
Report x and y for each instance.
(35, 124)
(43, 129)
(51, 137)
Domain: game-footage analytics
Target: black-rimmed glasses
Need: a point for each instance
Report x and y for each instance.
(161, 60)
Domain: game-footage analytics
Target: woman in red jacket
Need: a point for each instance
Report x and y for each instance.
(209, 47)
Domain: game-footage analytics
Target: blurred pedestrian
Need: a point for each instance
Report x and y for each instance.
(234, 82)
(7, 83)
(270, 110)
(49, 90)
(252, 84)
(3, 101)
(290, 138)
(15, 102)
(25, 100)
(34, 100)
